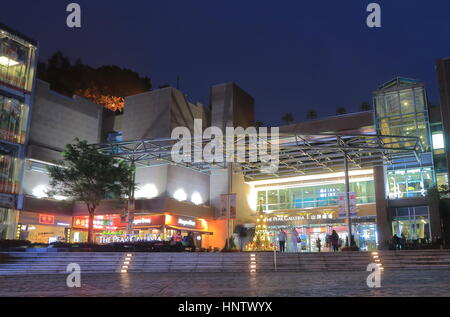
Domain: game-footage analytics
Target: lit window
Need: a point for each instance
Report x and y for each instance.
(438, 141)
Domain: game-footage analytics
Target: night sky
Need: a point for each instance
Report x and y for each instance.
(291, 56)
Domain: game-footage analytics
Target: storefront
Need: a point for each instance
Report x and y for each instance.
(146, 227)
(311, 226)
(43, 228)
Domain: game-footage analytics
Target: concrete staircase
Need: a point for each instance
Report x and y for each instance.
(56, 263)
(412, 259)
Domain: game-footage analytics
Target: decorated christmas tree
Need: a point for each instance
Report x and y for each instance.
(261, 239)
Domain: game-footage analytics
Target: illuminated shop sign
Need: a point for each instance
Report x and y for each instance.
(142, 221)
(285, 218)
(121, 239)
(109, 222)
(112, 233)
(186, 222)
(46, 219)
(63, 224)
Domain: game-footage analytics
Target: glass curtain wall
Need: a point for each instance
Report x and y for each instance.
(17, 60)
(13, 120)
(10, 171)
(401, 110)
(313, 196)
(412, 223)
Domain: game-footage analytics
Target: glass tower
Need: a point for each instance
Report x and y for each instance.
(401, 109)
(17, 72)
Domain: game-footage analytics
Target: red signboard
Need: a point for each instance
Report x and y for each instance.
(46, 219)
(106, 222)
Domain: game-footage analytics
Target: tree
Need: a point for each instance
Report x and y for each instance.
(288, 118)
(105, 85)
(365, 106)
(312, 114)
(259, 124)
(89, 176)
(341, 110)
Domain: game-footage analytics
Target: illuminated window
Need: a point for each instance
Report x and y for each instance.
(438, 141)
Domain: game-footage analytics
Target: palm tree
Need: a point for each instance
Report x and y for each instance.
(341, 110)
(288, 118)
(312, 114)
(365, 106)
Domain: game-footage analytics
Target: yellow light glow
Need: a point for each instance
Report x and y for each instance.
(6, 61)
(123, 271)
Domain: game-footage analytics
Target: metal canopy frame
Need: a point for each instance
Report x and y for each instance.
(299, 154)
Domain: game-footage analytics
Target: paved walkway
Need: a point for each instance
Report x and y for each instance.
(394, 283)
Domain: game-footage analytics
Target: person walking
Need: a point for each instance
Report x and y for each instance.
(295, 240)
(282, 240)
(335, 241)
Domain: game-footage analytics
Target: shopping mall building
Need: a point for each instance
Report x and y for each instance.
(37, 123)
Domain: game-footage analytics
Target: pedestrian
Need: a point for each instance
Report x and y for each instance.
(319, 244)
(282, 240)
(335, 241)
(295, 240)
(178, 239)
(191, 241)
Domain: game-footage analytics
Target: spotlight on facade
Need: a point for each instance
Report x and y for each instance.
(148, 191)
(40, 191)
(197, 198)
(180, 195)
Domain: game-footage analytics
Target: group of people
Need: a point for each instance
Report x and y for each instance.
(187, 241)
(333, 241)
(282, 237)
(398, 243)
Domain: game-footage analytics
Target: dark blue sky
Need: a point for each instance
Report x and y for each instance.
(290, 55)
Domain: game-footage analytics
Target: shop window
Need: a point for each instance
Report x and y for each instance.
(10, 167)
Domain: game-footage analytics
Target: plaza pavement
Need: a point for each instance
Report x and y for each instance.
(282, 284)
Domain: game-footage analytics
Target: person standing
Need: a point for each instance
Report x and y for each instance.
(294, 238)
(178, 239)
(335, 241)
(282, 240)
(319, 244)
(191, 241)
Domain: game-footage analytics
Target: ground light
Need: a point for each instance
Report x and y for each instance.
(126, 263)
(377, 260)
